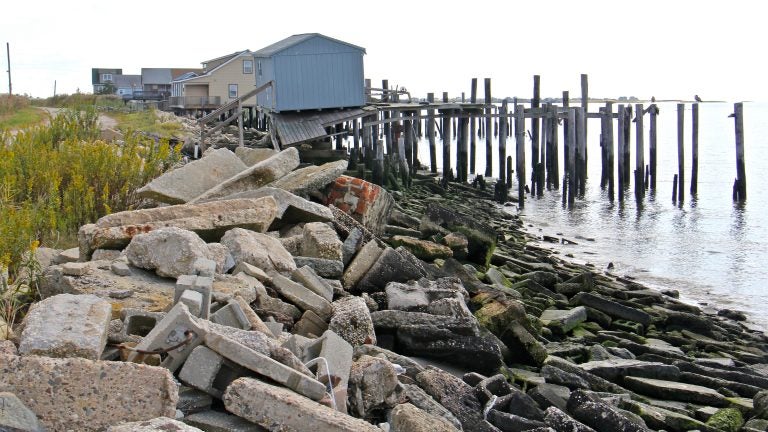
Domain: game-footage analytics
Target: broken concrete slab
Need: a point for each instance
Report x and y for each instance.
(306, 276)
(610, 307)
(159, 424)
(351, 244)
(209, 372)
(263, 365)
(171, 252)
(67, 325)
(327, 268)
(311, 178)
(598, 414)
(663, 389)
(310, 325)
(301, 296)
(291, 209)
(373, 386)
(253, 177)
(366, 202)
(75, 268)
(391, 266)
(319, 240)
(209, 220)
(361, 263)
(615, 369)
(77, 394)
(231, 315)
(253, 271)
(563, 321)
(217, 421)
(352, 321)
(338, 356)
(252, 156)
(481, 238)
(422, 249)
(473, 352)
(177, 329)
(15, 416)
(260, 250)
(255, 321)
(199, 284)
(184, 184)
(275, 407)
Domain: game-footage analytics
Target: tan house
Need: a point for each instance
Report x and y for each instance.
(223, 79)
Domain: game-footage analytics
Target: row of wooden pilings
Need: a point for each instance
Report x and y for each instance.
(401, 144)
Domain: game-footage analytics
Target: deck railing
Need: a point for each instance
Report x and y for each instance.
(195, 101)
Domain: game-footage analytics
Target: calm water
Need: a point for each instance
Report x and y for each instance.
(713, 251)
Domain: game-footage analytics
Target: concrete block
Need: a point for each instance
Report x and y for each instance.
(231, 315)
(217, 421)
(302, 296)
(338, 354)
(297, 344)
(269, 405)
(311, 178)
(193, 300)
(15, 416)
(391, 266)
(310, 325)
(319, 240)
(120, 268)
(352, 321)
(138, 322)
(160, 424)
(177, 326)
(253, 271)
(201, 284)
(209, 372)
(205, 267)
(350, 245)
(275, 328)
(360, 264)
(75, 268)
(253, 319)
(306, 276)
(263, 365)
(107, 255)
(67, 325)
(85, 395)
(326, 268)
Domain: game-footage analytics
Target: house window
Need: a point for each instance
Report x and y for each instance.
(106, 77)
(233, 91)
(259, 67)
(248, 67)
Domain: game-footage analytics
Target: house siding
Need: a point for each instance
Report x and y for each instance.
(219, 80)
(316, 73)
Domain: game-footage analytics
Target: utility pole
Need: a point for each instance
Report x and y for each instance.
(8, 52)
(54, 88)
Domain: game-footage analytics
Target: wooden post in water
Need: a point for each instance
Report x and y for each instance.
(546, 145)
(446, 141)
(581, 150)
(585, 106)
(680, 152)
(553, 156)
(740, 186)
(571, 155)
(472, 126)
(431, 134)
(627, 144)
(463, 159)
(609, 149)
(620, 151)
(386, 115)
(509, 164)
(520, 147)
(674, 189)
(694, 148)
(408, 134)
(503, 143)
(566, 131)
(639, 153)
(488, 126)
(653, 110)
(535, 135)
(378, 159)
(603, 148)
(356, 139)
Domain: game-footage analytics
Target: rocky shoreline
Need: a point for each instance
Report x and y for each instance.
(275, 296)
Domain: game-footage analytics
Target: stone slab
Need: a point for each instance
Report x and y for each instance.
(15, 416)
(67, 325)
(80, 394)
(361, 263)
(301, 296)
(307, 277)
(217, 421)
(160, 424)
(319, 240)
(305, 180)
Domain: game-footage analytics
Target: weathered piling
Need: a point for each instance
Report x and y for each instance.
(680, 152)
(356, 141)
(585, 107)
(694, 148)
(627, 155)
(603, 148)
(503, 143)
(446, 138)
(378, 159)
(572, 137)
(520, 147)
(566, 131)
(546, 144)
(609, 149)
(385, 116)
(535, 102)
(639, 153)
(472, 128)
(509, 166)
(554, 168)
(620, 151)
(740, 186)
(431, 134)
(653, 110)
(674, 189)
(581, 150)
(463, 159)
(488, 126)
(409, 141)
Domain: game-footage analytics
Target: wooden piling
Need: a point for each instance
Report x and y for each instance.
(627, 113)
(386, 115)
(620, 151)
(509, 166)
(503, 143)
(356, 140)
(554, 169)
(653, 110)
(581, 151)
(520, 147)
(546, 145)
(585, 106)
(609, 149)
(378, 159)
(566, 131)
(462, 161)
(680, 152)
(740, 187)
(694, 148)
(431, 134)
(446, 141)
(572, 138)
(472, 127)
(603, 148)
(674, 189)
(535, 102)
(488, 126)
(409, 144)
(639, 153)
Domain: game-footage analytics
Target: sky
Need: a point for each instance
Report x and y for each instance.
(669, 49)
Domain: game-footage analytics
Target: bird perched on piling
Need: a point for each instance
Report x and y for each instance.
(698, 99)
(653, 99)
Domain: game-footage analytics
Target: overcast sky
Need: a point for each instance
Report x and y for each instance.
(670, 48)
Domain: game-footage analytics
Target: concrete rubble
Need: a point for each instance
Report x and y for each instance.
(267, 297)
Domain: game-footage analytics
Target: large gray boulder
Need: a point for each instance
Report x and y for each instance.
(171, 252)
(260, 250)
(184, 184)
(305, 180)
(67, 325)
(254, 177)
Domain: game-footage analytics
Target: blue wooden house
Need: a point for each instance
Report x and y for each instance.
(310, 72)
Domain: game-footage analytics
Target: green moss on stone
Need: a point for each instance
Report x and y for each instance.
(727, 419)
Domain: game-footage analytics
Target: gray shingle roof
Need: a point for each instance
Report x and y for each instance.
(156, 75)
(290, 41)
(127, 80)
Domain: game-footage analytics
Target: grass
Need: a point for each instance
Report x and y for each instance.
(16, 112)
(146, 121)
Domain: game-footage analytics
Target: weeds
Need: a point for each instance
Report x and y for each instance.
(16, 296)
